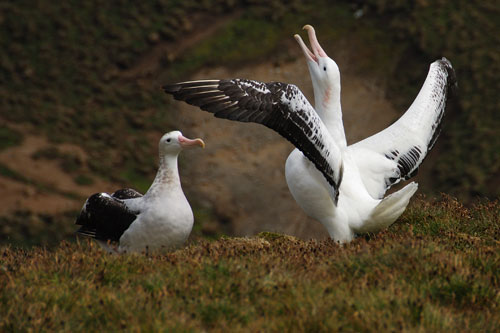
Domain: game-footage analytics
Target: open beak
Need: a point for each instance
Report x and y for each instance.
(190, 143)
(317, 51)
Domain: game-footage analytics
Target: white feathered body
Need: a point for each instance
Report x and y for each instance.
(161, 218)
(166, 220)
(372, 165)
(341, 186)
(356, 210)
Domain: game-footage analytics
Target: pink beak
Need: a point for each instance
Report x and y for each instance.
(317, 51)
(190, 143)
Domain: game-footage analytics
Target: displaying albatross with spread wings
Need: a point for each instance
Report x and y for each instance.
(341, 186)
(160, 218)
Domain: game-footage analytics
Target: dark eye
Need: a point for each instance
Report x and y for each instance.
(168, 140)
(324, 68)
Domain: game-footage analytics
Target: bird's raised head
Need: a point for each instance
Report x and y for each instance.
(324, 71)
(173, 142)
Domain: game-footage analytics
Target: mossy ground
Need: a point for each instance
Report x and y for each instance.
(436, 269)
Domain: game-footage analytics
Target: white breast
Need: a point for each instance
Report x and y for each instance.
(308, 187)
(166, 221)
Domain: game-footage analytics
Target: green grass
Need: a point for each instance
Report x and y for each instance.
(25, 229)
(9, 138)
(436, 269)
(83, 180)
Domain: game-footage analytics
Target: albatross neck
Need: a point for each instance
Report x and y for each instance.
(167, 175)
(327, 105)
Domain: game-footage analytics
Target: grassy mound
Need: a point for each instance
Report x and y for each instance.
(436, 269)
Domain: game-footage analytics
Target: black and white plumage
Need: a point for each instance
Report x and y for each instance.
(106, 217)
(341, 186)
(412, 136)
(269, 104)
(160, 218)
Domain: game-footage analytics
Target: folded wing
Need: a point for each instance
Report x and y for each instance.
(106, 217)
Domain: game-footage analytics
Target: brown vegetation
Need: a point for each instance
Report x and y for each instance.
(437, 269)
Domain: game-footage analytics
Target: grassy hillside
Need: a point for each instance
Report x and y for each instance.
(436, 269)
(74, 72)
(72, 69)
(65, 68)
(88, 73)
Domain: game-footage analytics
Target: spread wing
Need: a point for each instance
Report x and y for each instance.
(279, 106)
(105, 217)
(411, 137)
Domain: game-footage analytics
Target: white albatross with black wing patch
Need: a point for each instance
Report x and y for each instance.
(341, 186)
(160, 218)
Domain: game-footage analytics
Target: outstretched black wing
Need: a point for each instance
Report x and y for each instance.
(279, 106)
(105, 217)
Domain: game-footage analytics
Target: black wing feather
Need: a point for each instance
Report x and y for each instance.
(279, 106)
(126, 193)
(106, 217)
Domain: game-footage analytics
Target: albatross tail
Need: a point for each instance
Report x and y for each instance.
(389, 209)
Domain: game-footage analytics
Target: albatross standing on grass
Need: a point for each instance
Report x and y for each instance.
(160, 218)
(341, 186)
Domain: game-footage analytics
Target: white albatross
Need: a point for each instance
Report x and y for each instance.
(341, 186)
(160, 218)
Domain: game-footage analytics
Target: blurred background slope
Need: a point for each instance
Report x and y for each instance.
(81, 109)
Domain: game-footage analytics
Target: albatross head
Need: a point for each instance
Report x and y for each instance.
(173, 142)
(325, 73)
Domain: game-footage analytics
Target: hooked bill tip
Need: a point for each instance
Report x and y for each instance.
(201, 142)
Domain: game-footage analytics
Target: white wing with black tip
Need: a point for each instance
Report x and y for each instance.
(106, 217)
(411, 137)
(279, 106)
